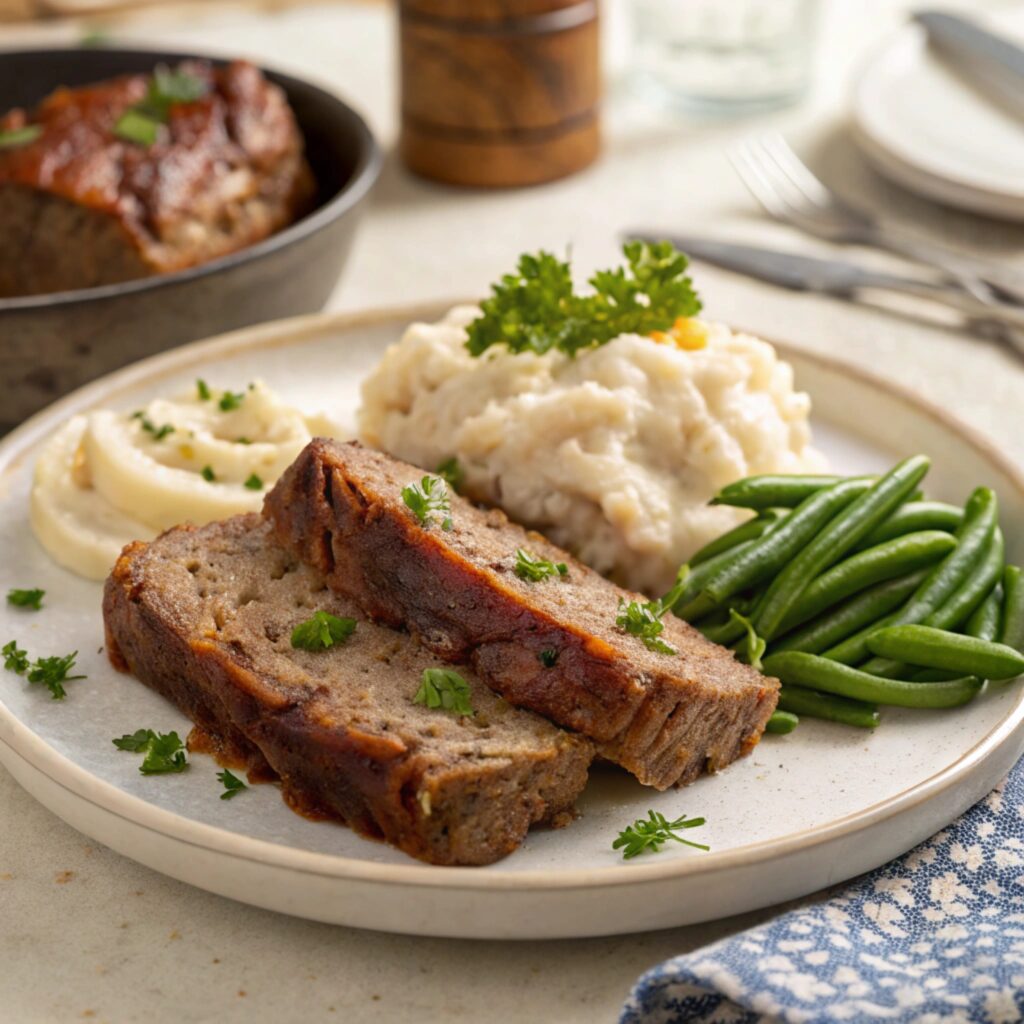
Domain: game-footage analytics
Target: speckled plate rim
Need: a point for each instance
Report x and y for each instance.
(19, 740)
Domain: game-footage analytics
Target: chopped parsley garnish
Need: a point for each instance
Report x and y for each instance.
(51, 672)
(15, 659)
(445, 689)
(548, 658)
(321, 631)
(164, 752)
(451, 472)
(536, 310)
(14, 137)
(233, 785)
(644, 621)
(652, 832)
(429, 498)
(208, 474)
(533, 569)
(230, 400)
(203, 390)
(157, 433)
(755, 645)
(135, 125)
(253, 482)
(26, 598)
(141, 122)
(242, 440)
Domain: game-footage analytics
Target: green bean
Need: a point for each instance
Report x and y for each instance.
(772, 491)
(782, 722)
(765, 557)
(750, 530)
(863, 610)
(984, 622)
(847, 527)
(812, 704)
(854, 649)
(796, 668)
(912, 517)
(930, 647)
(1012, 633)
(973, 537)
(957, 608)
(688, 605)
(885, 561)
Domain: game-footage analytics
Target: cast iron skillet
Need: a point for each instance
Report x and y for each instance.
(51, 344)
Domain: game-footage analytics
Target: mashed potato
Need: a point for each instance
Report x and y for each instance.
(107, 477)
(614, 453)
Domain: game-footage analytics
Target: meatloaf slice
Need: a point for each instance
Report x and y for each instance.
(204, 616)
(552, 646)
(80, 205)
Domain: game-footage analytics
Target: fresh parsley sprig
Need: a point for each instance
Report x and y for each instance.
(51, 672)
(535, 309)
(15, 659)
(652, 832)
(253, 482)
(321, 631)
(165, 753)
(429, 498)
(445, 689)
(232, 784)
(533, 569)
(32, 599)
(644, 621)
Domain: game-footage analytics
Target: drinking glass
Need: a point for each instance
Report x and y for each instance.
(724, 56)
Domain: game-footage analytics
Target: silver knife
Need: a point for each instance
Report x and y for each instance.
(835, 277)
(993, 64)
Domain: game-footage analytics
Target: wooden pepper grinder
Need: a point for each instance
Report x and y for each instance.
(499, 93)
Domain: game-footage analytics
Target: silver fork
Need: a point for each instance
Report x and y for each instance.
(788, 191)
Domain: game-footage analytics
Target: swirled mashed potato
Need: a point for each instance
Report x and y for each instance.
(107, 478)
(614, 453)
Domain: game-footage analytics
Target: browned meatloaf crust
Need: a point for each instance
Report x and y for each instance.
(665, 718)
(80, 206)
(204, 616)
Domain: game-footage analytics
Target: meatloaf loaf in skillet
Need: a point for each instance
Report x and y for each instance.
(82, 204)
(552, 646)
(204, 616)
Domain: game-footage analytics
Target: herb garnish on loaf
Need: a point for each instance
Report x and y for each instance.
(666, 714)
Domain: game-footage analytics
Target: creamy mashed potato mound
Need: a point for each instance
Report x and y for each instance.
(106, 478)
(614, 453)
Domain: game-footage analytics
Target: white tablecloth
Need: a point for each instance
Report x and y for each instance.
(87, 934)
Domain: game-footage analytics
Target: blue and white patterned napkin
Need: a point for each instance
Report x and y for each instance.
(934, 937)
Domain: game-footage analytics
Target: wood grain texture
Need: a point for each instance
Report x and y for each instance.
(499, 92)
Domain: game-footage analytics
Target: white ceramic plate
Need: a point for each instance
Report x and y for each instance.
(801, 812)
(930, 131)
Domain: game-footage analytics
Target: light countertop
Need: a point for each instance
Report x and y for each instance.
(86, 934)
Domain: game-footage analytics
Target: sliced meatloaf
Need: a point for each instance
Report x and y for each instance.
(82, 205)
(552, 646)
(204, 616)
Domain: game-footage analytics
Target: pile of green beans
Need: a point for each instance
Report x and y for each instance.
(865, 593)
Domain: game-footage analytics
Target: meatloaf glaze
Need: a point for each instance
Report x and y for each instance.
(81, 206)
(204, 616)
(664, 717)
